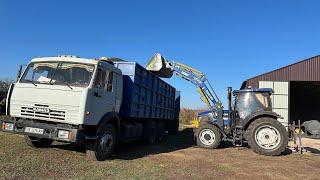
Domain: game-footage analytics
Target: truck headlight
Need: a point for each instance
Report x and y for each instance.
(63, 134)
(7, 126)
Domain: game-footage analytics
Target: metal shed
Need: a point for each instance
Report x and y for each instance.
(296, 90)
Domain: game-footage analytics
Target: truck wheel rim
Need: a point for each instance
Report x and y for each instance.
(267, 137)
(207, 137)
(105, 142)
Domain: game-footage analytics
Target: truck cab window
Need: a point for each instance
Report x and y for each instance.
(58, 73)
(109, 81)
(100, 79)
(39, 72)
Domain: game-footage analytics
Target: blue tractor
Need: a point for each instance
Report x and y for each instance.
(249, 117)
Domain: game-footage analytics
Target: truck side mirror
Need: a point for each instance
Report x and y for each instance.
(19, 72)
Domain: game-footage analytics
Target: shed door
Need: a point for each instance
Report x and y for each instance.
(280, 98)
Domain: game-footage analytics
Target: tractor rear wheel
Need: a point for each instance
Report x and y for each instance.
(267, 136)
(208, 136)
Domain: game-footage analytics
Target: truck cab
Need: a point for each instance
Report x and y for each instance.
(56, 97)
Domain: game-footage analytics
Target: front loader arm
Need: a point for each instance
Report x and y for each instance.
(164, 68)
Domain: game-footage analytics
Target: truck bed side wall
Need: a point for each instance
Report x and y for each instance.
(145, 95)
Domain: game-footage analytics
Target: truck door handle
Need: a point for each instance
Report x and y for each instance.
(96, 94)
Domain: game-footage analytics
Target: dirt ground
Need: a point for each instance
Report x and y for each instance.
(176, 158)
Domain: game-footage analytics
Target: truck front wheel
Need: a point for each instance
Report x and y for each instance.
(103, 147)
(36, 142)
(267, 136)
(208, 136)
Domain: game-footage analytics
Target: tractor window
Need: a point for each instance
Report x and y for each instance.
(263, 99)
(250, 102)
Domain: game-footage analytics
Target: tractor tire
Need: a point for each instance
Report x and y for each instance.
(267, 136)
(106, 142)
(161, 131)
(173, 127)
(150, 132)
(208, 136)
(36, 142)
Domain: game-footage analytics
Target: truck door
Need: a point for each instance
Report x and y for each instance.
(104, 95)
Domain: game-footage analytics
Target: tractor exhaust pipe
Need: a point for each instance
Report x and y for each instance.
(230, 100)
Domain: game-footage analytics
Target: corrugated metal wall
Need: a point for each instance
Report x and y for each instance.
(306, 70)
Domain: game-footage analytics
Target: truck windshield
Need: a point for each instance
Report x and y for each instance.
(62, 73)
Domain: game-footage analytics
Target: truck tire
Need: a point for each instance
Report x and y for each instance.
(160, 131)
(150, 132)
(267, 136)
(173, 127)
(208, 136)
(36, 142)
(106, 142)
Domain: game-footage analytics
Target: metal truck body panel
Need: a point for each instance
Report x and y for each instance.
(146, 95)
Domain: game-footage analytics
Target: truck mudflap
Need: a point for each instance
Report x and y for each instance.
(43, 130)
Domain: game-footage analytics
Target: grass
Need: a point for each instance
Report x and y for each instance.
(175, 158)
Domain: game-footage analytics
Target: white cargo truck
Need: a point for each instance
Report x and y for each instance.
(95, 102)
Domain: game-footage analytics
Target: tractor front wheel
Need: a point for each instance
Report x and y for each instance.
(208, 136)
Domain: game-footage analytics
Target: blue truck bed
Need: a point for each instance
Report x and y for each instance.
(146, 95)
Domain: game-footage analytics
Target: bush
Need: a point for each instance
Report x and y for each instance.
(187, 115)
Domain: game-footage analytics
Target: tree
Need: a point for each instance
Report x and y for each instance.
(5, 84)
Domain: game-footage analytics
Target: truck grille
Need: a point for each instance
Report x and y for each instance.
(46, 114)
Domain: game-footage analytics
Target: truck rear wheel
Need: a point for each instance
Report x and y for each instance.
(36, 142)
(103, 147)
(150, 132)
(208, 136)
(173, 127)
(160, 131)
(267, 136)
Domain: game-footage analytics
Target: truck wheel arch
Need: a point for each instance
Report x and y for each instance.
(111, 117)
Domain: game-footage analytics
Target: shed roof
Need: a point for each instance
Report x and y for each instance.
(305, 70)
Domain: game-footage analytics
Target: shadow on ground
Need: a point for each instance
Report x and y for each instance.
(135, 150)
(312, 150)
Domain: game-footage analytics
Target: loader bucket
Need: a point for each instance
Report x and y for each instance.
(159, 66)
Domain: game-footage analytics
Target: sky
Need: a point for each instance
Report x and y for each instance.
(229, 40)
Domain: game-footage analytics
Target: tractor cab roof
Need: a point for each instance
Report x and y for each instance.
(259, 90)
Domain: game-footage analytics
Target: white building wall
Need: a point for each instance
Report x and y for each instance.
(280, 98)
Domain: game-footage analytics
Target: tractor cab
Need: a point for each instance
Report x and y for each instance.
(248, 102)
